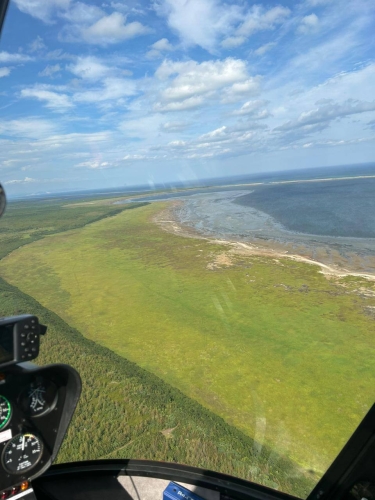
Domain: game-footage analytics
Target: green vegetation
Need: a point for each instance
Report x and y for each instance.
(279, 352)
(25, 222)
(124, 411)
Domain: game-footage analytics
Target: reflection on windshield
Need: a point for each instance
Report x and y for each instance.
(174, 219)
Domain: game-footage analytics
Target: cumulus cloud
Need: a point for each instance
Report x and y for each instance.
(254, 109)
(189, 20)
(162, 45)
(308, 24)
(190, 103)
(158, 48)
(4, 72)
(214, 135)
(192, 82)
(239, 90)
(222, 141)
(113, 29)
(53, 100)
(89, 68)
(42, 9)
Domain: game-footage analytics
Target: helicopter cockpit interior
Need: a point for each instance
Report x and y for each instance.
(37, 404)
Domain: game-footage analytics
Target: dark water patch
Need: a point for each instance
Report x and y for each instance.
(331, 208)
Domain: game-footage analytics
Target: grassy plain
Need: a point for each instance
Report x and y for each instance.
(274, 348)
(125, 411)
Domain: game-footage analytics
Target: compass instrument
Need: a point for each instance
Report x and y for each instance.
(39, 398)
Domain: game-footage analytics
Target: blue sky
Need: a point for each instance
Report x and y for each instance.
(104, 94)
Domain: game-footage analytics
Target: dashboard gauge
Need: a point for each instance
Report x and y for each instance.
(5, 411)
(38, 398)
(22, 453)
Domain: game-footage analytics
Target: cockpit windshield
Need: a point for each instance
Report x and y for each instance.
(191, 210)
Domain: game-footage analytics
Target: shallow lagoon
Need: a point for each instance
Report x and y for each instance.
(230, 215)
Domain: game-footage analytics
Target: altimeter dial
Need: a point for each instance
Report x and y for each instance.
(22, 453)
(5, 412)
(38, 398)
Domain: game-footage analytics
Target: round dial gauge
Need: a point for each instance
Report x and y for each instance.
(5, 412)
(22, 453)
(38, 398)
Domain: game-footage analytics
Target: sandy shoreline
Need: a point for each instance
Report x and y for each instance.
(167, 220)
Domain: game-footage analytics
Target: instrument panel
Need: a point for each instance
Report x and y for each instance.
(36, 406)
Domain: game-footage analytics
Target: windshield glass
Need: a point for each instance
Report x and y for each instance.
(191, 211)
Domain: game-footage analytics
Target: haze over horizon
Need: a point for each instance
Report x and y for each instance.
(103, 94)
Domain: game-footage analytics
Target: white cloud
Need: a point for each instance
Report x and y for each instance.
(216, 134)
(259, 19)
(254, 109)
(82, 13)
(190, 103)
(239, 90)
(189, 84)
(189, 20)
(176, 144)
(34, 128)
(126, 7)
(194, 79)
(94, 164)
(316, 3)
(326, 113)
(233, 41)
(59, 54)
(113, 29)
(50, 70)
(53, 100)
(89, 68)
(256, 19)
(113, 89)
(75, 139)
(158, 47)
(37, 44)
(176, 126)
(6, 57)
(4, 72)
(260, 51)
(42, 9)
(308, 24)
(134, 157)
(162, 45)
(26, 180)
